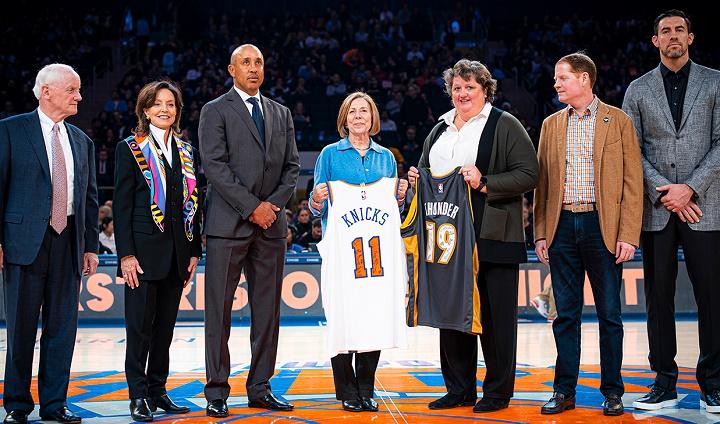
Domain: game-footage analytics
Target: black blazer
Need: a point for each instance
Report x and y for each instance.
(135, 231)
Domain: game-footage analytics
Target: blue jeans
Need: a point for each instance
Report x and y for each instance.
(579, 247)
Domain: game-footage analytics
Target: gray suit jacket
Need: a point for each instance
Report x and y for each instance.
(241, 172)
(690, 155)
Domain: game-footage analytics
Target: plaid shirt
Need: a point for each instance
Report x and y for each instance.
(579, 177)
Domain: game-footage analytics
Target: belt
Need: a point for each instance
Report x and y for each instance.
(579, 207)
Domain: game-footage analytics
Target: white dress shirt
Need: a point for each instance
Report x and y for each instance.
(458, 147)
(46, 125)
(159, 136)
(245, 96)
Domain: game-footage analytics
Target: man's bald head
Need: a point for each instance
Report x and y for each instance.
(247, 67)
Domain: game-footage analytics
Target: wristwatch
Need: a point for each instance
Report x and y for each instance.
(483, 182)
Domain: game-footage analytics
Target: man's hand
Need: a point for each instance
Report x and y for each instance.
(690, 213)
(413, 174)
(676, 197)
(90, 263)
(264, 215)
(542, 252)
(130, 267)
(623, 252)
(191, 269)
(2, 259)
(402, 191)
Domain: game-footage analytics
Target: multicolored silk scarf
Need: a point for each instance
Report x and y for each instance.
(147, 158)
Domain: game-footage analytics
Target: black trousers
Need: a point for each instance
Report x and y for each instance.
(53, 283)
(660, 264)
(263, 260)
(498, 286)
(150, 314)
(360, 382)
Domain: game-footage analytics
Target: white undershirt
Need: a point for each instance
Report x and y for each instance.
(159, 135)
(458, 147)
(245, 96)
(46, 125)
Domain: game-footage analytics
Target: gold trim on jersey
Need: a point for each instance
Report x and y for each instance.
(411, 245)
(412, 213)
(469, 198)
(476, 324)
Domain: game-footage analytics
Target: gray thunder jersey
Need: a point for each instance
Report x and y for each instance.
(442, 256)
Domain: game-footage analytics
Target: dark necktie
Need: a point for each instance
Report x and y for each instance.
(258, 118)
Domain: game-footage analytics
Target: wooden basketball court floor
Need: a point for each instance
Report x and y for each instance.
(407, 379)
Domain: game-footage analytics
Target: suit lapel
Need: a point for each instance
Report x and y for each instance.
(691, 93)
(561, 145)
(658, 89)
(268, 118)
(37, 141)
(237, 103)
(602, 124)
(76, 149)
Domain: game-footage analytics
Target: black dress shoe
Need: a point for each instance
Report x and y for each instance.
(452, 401)
(369, 404)
(62, 415)
(352, 405)
(269, 401)
(613, 405)
(16, 417)
(558, 403)
(490, 405)
(166, 404)
(140, 411)
(217, 408)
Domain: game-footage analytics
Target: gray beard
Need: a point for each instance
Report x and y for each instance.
(674, 54)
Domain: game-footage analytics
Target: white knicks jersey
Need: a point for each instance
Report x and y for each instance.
(363, 273)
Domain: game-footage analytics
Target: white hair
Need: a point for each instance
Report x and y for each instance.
(51, 74)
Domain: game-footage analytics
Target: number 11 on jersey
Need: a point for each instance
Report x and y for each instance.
(359, 249)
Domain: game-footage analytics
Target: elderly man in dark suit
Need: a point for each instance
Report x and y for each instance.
(676, 109)
(247, 145)
(48, 238)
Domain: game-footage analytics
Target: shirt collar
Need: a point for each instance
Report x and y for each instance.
(685, 70)
(592, 107)
(449, 116)
(245, 96)
(47, 124)
(344, 144)
(158, 134)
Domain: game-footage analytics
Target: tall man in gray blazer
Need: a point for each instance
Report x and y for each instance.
(247, 145)
(676, 110)
(48, 238)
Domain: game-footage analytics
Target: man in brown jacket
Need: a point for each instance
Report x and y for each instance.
(588, 212)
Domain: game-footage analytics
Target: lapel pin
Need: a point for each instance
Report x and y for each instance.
(606, 119)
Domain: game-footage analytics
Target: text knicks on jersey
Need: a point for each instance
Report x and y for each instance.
(369, 213)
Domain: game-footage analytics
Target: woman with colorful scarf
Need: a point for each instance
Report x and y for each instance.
(158, 241)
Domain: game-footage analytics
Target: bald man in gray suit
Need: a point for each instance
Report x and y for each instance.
(247, 144)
